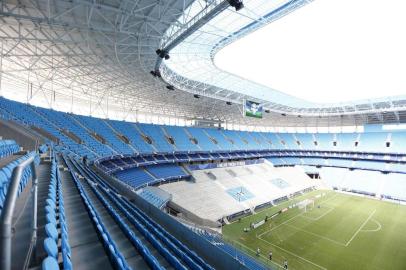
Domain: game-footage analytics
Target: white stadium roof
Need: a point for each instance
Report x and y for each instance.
(95, 57)
(315, 55)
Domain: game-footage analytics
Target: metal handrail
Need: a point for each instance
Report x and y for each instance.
(6, 225)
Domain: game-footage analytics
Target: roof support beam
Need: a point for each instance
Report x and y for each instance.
(204, 16)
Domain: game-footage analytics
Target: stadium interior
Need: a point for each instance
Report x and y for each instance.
(124, 146)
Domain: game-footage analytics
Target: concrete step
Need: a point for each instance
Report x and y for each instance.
(87, 250)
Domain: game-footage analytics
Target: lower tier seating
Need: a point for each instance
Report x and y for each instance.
(166, 171)
(130, 238)
(56, 243)
(135, 177)
(6, 173)
(153, 198)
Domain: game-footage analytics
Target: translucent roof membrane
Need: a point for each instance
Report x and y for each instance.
(193, 59)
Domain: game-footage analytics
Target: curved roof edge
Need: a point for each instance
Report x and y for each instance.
(192, 68)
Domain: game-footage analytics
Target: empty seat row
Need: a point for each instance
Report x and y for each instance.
(166, 171)
(56, 243)
(142, 249)
(100, 127)
(176, 253)
(116, 257)
(135, 177)
(119, 218)
(6, 173)
(152, 198)
(8, 147)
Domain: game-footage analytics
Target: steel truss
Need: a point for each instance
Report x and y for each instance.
(94, 57)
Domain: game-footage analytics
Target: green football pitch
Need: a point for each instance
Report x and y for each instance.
(341, 232)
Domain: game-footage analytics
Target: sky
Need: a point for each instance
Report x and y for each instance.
(327, 51)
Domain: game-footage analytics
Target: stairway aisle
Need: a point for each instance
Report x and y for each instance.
(133, 258)
(87, 250)
(44, 178)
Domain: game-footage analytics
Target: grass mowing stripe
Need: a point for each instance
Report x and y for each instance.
(360, 228)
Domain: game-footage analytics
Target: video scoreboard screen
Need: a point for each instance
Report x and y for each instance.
(252, 109)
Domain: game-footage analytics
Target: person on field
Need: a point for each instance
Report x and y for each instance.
(285, 264)
(84, 160)
(270, 255)
(258, 252)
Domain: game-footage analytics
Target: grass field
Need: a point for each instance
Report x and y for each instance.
(346, 232)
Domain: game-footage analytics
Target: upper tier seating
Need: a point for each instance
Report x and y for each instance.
(346, 141)
(182, 140)
(130, 131)
(236, 140)
(8, 147)
(306, 141)
(148, 138)
(156, 133)
(100, 127)
(203, 139)
(274, 140)
(224, 143)
(376, 141)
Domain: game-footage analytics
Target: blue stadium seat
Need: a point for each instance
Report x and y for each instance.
(50, 263)
(51, 248)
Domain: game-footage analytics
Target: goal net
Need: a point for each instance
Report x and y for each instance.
(306, 205)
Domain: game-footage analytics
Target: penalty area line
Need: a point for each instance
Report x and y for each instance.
(316, 235)
(274, 228)
(322, 215)
(300, 214)
(360, 228)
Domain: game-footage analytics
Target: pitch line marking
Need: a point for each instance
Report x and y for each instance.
(374, 230)
(274, 228)
(360, 228)
(261, 255)
(266, 209)
(315, 219)
(293, 254)
(317, 235)
(329, 199)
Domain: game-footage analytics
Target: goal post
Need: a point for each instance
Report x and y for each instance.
(306, 205)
